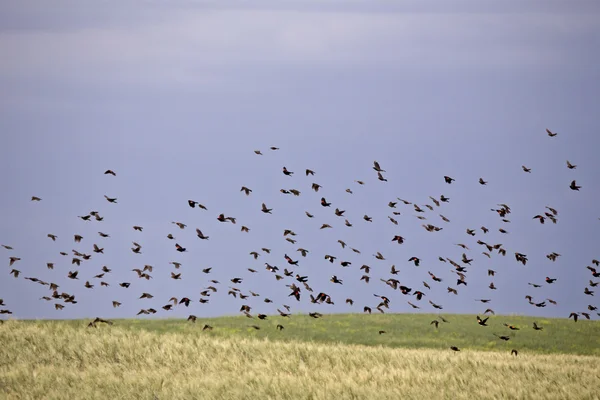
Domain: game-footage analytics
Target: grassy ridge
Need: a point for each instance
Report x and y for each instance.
(57, 360)
(402, 331)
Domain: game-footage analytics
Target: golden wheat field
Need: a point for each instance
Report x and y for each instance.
(62, 361)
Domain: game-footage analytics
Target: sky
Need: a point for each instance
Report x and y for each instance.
(175, 98)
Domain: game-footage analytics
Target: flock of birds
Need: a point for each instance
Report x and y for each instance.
(299, 285)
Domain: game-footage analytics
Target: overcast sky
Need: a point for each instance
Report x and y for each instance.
(176, 98)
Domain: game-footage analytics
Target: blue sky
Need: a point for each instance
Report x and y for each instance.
(175, 99)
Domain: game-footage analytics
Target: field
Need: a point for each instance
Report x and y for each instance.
(337, 356)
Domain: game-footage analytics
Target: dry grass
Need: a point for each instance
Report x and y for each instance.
(54, 361)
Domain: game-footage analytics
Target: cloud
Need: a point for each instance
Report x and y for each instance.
(202, 46)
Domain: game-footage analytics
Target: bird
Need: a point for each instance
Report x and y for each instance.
(415, 260)
(399, 239)
(201, 235)
(376, 167)
(246, 190)
(290, 261)
(436, 306)
(110, 199)
(181, 225)
(286, 172)
(574, 185)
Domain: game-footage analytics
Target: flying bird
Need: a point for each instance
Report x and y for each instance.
(376, 167)
(574, 185)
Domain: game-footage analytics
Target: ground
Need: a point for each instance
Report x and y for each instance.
(337, 356)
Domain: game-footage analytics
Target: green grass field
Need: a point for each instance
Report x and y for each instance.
(402, 330)
(337, 356)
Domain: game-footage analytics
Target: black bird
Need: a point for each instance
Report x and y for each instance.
(574, 186)
(376, 167)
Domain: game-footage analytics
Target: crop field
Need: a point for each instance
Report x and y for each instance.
(336, 356)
